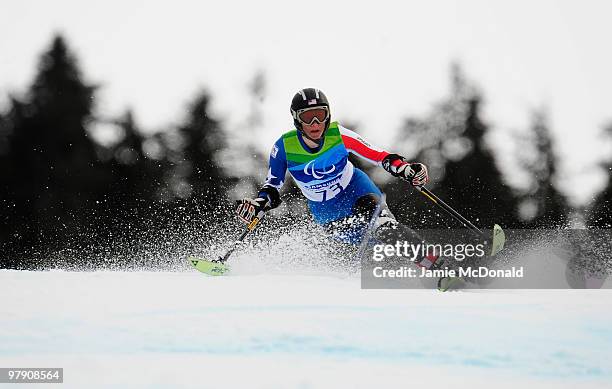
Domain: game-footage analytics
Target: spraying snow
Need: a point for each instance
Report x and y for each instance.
(292, 314)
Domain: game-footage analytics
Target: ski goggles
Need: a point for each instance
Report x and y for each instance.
(308, 115)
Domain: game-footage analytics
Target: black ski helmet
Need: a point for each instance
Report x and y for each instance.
(307, 98)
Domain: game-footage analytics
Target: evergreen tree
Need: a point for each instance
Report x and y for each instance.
(601, 211)
(543, 205)
(476, 180)
(451, 141)
(4, 137)
(246, 165)
(7, 213)
(137, 178)
(200, 175)
(53, 172)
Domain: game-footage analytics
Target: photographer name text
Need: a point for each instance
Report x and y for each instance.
(467, 272)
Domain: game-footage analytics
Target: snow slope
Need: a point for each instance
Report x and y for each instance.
(186, 330)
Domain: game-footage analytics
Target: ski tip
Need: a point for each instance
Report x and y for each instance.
(446, 283)
(499, 240)
(211, 268)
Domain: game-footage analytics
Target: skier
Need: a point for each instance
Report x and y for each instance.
(340, 196)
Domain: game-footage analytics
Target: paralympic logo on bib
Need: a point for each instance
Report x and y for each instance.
(310, 170)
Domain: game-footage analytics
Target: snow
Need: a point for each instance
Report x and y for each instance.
(186, 330)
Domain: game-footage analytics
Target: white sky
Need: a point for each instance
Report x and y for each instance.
(377, 61)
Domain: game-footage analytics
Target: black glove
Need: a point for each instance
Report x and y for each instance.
(267, 199)
(421, 175)
(249, 209)
(398, 166)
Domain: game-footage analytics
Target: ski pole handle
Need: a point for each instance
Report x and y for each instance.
(256, 220)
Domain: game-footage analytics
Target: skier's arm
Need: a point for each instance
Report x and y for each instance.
(276, 175)
(269, 194)
(355, 144)
(395, 164)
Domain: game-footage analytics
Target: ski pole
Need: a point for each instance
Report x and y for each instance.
(370, 228)
(448, 209)
(497, 238)
(250, 227)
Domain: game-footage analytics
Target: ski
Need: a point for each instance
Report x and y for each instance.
(446, 283)
(218, 267)
(498, 240)
(212, 268)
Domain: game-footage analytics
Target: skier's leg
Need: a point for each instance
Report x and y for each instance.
(353, 227)
(386, 229)
(390, 231)
(350, 211)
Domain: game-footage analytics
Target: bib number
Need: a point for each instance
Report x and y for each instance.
(330, 192)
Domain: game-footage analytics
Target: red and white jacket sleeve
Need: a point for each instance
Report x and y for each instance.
(361, 148)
